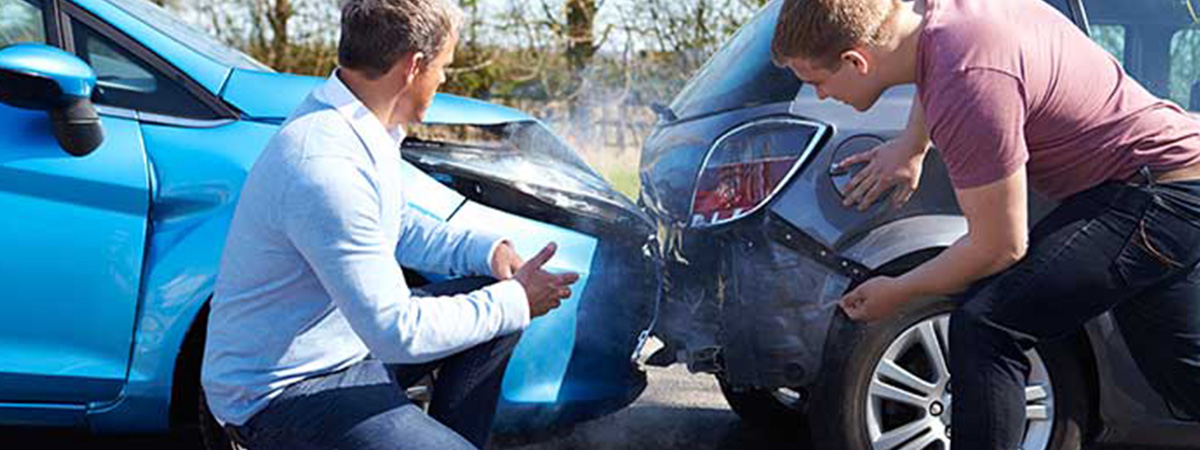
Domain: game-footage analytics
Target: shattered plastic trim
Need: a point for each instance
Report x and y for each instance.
(720, 318)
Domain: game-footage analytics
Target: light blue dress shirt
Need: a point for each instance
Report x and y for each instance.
(310, 281)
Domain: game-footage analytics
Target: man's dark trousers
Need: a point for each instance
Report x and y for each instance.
(365, 406)
(1128, 248)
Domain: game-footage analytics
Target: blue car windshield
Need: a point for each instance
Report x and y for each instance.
(195, 39)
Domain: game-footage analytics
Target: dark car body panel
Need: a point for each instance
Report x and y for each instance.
(752, 300)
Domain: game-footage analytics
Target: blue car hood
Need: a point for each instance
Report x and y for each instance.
(273, 96)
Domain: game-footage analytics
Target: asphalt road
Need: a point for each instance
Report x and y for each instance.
(679, 411)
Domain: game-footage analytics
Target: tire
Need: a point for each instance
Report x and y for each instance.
(774, 409)
(852, 416)
(211, 432)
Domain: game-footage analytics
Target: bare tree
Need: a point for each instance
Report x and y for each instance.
(581, 41)
(278, 14)
(298, 36)
(581, 47)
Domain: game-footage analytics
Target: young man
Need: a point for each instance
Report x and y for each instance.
(313, 335)
(1011, 91)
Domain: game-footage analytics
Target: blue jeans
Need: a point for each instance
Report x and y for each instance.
(1128, 248)
(365, 406)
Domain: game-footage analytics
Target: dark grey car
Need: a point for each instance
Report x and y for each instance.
(758, 250)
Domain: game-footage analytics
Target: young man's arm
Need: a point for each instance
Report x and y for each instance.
(997, 216)
(997, 237)
(979, 124)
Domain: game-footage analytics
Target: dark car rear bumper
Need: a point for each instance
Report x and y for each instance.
(746, 303)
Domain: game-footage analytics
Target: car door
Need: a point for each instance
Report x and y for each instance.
(72, 237)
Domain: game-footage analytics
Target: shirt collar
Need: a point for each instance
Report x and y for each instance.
(380, 141)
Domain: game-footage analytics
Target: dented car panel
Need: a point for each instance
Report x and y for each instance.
(803, 233)
(575, 363)
(750, 295)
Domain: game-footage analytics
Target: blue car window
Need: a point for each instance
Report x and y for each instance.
(126, 81)
(21, 21)
(1157, 41)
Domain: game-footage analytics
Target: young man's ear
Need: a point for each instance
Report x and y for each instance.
(859, 60)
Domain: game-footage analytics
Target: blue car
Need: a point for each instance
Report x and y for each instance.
(125, 137)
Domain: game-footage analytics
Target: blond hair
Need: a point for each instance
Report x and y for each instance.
(821, 30)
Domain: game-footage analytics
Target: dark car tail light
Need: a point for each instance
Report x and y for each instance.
(747, 166)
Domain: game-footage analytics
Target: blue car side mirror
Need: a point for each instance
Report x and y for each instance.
(44, 78)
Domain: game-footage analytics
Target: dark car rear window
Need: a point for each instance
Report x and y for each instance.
(1158, 42)
(741, 73)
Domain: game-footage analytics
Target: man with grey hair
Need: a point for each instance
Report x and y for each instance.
(313, 334)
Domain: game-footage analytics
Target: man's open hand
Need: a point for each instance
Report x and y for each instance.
(545, 290)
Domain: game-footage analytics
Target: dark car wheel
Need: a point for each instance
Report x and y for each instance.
(211, 432)
(886, 387)
(777, 409)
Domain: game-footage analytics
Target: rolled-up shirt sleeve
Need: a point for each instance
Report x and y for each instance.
(332, 214)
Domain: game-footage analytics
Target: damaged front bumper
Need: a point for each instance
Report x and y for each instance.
(575, 363)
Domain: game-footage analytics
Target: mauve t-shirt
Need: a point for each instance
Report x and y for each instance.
(1011, 83)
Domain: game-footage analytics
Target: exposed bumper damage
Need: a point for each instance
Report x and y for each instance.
(751, 302)
(719, 316)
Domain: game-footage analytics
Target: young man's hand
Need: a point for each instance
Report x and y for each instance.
(505, 261)
(896, 163)
(877, 299)
(544, 289)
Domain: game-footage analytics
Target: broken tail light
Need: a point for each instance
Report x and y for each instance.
(750, 164)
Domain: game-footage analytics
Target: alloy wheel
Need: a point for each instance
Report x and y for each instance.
(910, 394)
